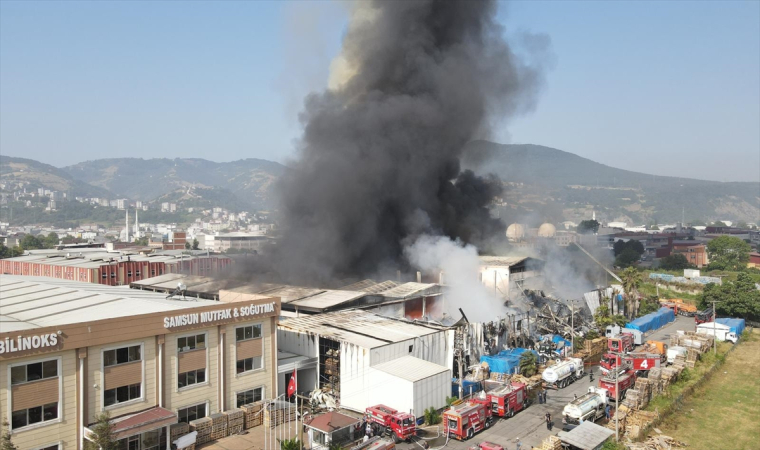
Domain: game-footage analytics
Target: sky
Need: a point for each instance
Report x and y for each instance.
(669, 88)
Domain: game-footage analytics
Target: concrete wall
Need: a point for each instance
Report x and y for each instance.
(207, 392)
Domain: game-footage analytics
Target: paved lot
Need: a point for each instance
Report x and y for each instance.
(528, 425)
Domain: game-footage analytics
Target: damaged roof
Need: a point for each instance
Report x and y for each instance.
(506, 261)
(356, 327)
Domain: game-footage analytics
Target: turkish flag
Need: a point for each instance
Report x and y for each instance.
(292, 384)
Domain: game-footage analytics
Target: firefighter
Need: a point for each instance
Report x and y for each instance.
(591, 375)
(548, 418)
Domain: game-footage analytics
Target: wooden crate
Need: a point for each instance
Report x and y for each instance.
(253, 415)
(275, 415)
(551, 443)
(203, 427)
(235, 429)
(235, 417)
(218, 426)
(177, 430)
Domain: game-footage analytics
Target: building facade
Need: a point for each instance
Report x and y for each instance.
(68, 354)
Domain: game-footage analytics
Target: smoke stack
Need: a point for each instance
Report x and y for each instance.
(137, 226)
(440, 278)
(398, 276)
(126, 222)
(419, 277)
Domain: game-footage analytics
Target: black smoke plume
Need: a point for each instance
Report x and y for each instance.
(378, 163)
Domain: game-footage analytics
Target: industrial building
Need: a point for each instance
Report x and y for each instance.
(506, 275)
(410, 300)
(71, 350)
(363, 359)
(111, 268)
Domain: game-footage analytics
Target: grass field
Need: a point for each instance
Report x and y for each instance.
(724, 412)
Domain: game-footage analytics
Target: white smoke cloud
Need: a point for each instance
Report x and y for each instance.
(460, 265)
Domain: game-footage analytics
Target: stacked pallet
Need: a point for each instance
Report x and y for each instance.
(235, 421)
(594, 346)
(638, 421)
(633, 399)
(656, 382)
(531, 382)
(218, 426)
(551, 443)
(177, 430)
(253, 415)
(276, 414)
(501, 377)
(203, 428)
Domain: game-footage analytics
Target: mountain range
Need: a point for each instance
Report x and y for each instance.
(541, 184)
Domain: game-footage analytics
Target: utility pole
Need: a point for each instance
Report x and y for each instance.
(572, 327)
(617, 403)
(715, 333)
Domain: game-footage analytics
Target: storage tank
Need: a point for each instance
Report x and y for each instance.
(562, 372)
(547, 230)
(515, 232)
(586, 405)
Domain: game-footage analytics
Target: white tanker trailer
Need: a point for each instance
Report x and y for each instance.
(589, 406)
(564, 372)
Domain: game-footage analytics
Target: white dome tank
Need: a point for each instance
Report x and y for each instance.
(547, 230)
(515, 232)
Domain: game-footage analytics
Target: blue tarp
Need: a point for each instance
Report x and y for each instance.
(469, 387)
(556, 339)
(737, 325)
(653, 321)
(506, 361)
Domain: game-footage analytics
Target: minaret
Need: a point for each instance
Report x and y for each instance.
(593, 215)
(137, 226)
(126, 229)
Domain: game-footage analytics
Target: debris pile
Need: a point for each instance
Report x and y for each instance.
(551, 443)
(660, 442)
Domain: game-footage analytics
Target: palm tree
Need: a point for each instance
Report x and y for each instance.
(291, 444)
(631, 282)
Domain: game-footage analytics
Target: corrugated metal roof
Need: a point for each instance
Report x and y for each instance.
(356, 327)
(411, 289)
(507, 261)
(586, 436)
(410, 368)
(33, 302)
(327, 299)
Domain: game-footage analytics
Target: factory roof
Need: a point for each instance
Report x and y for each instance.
(34, 302)
(370, 286)
(506, 261)
(327, 299)
(356, 327)
(410, 368)
(331, 421)
(411, 290)
(586, 436)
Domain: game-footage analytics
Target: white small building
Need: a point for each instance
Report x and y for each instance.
(364, 359)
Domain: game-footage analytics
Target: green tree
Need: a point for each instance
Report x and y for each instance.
(718, 223)
(742, 225)
(588, 227)
(9, 252)
(697, 223)
(431, 416)
(728, 253)
(627, 258)
(187, 246)
(528, 363)
(675, 261)
(30, 242)
(5, 438)
(291, 444)
(51, 240)
(648, 305)
(603, 318)
(631, 283)
(195, 244)
(739, 298)
(102, 434)
(620, 246)
(144, 241)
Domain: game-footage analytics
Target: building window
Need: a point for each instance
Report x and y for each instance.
(153, 272)
(121, 355)
(197, 342)
(113, 274)
(49, 447)
(122, 394)
(246, 397)
(104, 276)
(191, 413)
(34, 415)
(249, 332)
(191, 377)
(248, 364)
(34, 372)
(137, 273)
(129, 273)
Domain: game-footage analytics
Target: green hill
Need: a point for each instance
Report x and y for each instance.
(552, 183)
(250, 180)
(33, 175)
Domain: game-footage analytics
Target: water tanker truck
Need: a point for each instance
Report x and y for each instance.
(563, 373)
(589, 406)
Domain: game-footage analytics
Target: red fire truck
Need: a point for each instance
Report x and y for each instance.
(504, 400)
(463, 421)
(625, 381)
(621, 343)
(386, 420)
